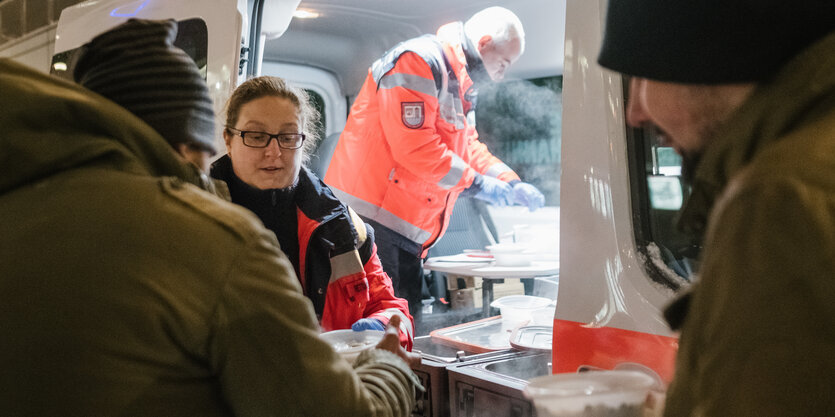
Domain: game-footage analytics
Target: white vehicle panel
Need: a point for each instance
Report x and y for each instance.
(80, 23)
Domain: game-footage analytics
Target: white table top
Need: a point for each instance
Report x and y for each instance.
(466, 265)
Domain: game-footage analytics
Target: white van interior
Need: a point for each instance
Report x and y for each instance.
(327, 49)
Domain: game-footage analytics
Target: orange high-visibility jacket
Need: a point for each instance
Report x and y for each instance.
(408, 148)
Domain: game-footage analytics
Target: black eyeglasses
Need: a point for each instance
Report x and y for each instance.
(255, 139)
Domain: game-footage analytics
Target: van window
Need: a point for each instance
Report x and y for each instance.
(192, 37)
(658, 193)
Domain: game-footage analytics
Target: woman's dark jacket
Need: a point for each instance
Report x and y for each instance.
(337, 261)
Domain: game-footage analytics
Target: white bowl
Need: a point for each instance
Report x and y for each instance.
(510, 254)
(349, 344)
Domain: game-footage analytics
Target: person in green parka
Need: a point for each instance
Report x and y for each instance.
(127, 289)
(745, 92)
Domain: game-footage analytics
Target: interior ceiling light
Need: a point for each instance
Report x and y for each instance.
(305, 14)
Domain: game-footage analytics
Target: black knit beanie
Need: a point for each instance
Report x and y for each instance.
(710, 41)
(137, 66)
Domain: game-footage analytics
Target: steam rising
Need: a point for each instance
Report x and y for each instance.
(520, 122)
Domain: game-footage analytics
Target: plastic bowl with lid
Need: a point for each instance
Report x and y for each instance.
(349, 344)
(590, 394)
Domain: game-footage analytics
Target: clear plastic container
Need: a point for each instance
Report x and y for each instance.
(517, 310)
(349, 344)
(543, 316)
(590, 394)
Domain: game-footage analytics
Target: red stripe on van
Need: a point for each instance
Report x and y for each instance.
(605, 347)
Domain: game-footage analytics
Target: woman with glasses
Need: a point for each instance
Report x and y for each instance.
(269, 137)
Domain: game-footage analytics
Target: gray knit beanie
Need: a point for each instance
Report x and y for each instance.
(710, 41)
(137, 66)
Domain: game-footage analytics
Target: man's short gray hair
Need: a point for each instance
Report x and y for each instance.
(500, 23)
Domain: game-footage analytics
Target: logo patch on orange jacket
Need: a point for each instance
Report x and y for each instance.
(412, 113)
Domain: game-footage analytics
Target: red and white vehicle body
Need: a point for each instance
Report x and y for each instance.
(609, 310)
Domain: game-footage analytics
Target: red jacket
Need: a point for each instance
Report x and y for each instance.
(408, 149)
(338, 265)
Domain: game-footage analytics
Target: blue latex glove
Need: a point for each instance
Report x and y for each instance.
(495, 191)
(525, 194)
(367, 324)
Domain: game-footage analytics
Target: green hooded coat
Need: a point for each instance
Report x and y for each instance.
(759, 338)
(127, 290)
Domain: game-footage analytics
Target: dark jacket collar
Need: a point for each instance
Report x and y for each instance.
(475, 65)
(241, 191)
(452, 35)
(315, 200)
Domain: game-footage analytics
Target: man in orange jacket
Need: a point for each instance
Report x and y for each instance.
(410, 146)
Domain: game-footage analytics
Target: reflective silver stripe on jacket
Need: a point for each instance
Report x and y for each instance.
(456, 171)
(496, 169)
(409, 81)
(405, 323)
(345, 264)
(450, 107)
(384, 217)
